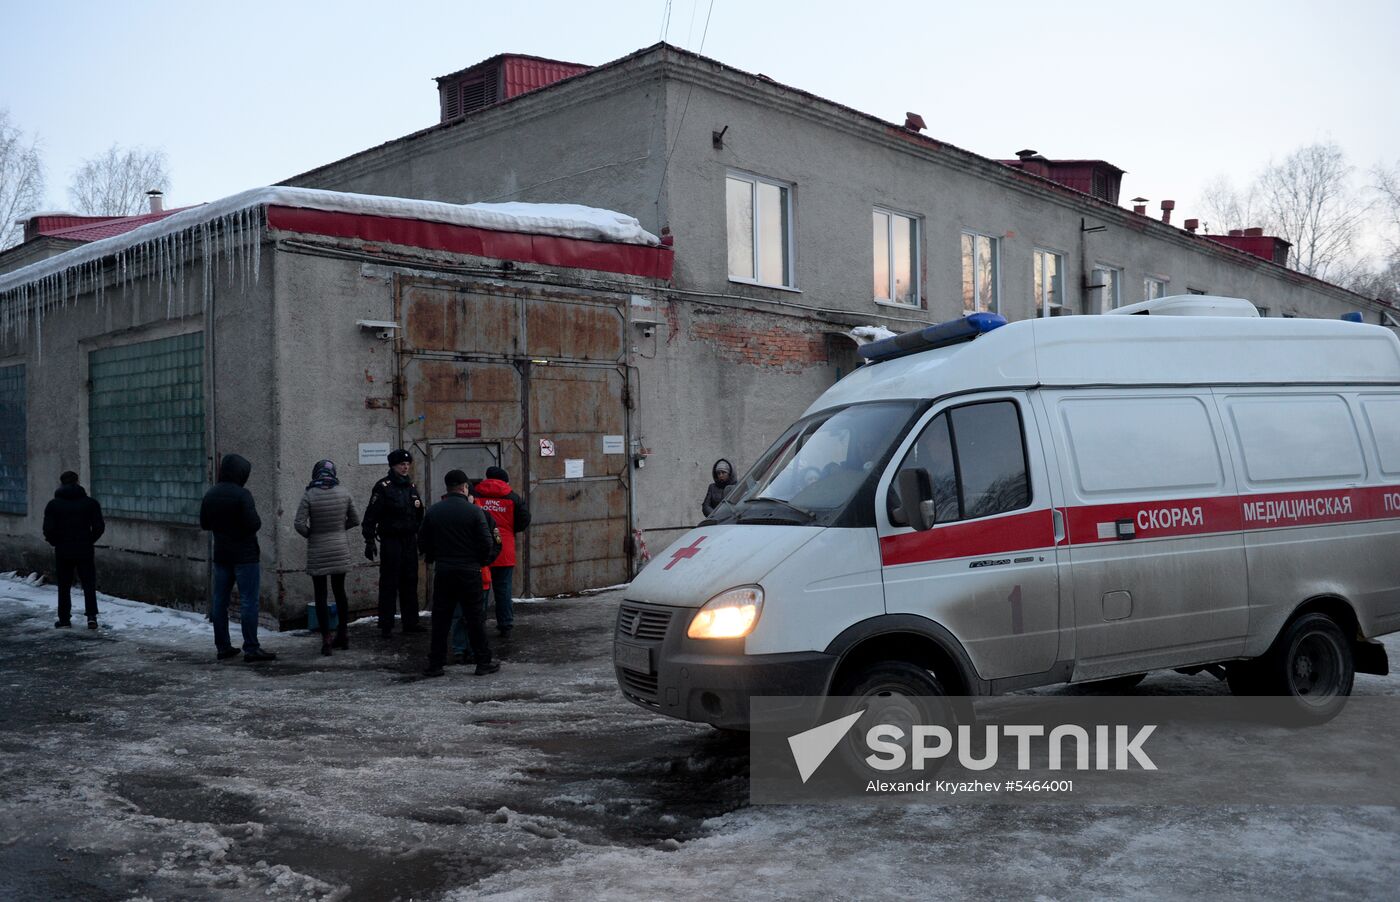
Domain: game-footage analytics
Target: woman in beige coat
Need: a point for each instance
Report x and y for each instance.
(326, 512)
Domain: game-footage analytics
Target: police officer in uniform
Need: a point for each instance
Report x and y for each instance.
(394, 514)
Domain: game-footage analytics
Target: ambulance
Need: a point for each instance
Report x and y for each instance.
(986, 506)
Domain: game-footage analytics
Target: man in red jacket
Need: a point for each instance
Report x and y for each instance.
(509, 512)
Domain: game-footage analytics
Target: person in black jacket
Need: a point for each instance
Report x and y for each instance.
(723, 473)
(457, 540)
(229, 513)
(72, 525)
(394, 514)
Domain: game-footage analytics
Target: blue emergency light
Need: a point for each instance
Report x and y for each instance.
(939, 335)
(1352, 317)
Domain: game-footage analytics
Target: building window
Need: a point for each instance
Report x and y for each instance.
(980, 288)
(1049, 283)
(896, 258)
(760, 230)
(1109, 280)
(146, 428)
(14, 452)
(1153, 288)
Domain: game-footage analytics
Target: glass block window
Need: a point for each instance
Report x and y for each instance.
(146, 428)
(14, 459)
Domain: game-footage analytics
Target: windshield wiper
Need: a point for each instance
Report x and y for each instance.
(808, 515)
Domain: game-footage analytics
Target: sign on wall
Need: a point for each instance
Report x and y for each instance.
(573, 468)
(469, 429)
(546, 448)
(613, 444)
(374, 453)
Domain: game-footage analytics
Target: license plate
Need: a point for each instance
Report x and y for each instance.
(632, 657)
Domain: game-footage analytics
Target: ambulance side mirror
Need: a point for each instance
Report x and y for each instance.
(915, 499)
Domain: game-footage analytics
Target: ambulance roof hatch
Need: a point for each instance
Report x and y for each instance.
(1190, 305)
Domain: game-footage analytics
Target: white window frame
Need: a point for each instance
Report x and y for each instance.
(1107, 303)
(915, 262)
(996, 269)
(1148, 281)
(1041, 304)
(789, 245)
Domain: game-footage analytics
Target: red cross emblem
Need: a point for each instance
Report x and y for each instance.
(682, 553)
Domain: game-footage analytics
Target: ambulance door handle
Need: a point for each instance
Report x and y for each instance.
(1059, 517)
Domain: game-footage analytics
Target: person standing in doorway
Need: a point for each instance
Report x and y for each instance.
(511, 515)
(72, 525)
(325, 514)
(723, 475)
(457, 540)
(393, 516)
(229, 513)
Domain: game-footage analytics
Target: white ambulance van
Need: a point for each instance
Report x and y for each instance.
(986, 507)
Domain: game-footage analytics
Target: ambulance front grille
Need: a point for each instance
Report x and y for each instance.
(640, 685)
(642, 623)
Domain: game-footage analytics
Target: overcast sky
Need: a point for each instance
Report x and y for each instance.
(242, 95)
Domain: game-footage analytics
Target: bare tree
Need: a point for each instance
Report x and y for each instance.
(115, 183)
(21, 181)
(1387, 188)
(1308, 199)
(1224, 207)
(1383, 283)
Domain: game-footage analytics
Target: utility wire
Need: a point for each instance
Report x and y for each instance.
(684, 108)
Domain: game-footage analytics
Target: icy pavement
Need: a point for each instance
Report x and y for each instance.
(136, 766)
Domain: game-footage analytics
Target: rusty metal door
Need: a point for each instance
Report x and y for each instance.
(509, 365)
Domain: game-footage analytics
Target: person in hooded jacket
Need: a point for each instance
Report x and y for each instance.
(229, 513)
(324, 515)
(723, 474)
(393, 516)
(511, 515)
(72, 525)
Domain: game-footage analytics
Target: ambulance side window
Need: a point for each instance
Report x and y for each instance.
(976, 460)
(933, 451)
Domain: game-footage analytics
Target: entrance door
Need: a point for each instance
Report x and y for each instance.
(488, 370)
(471, 458)
(988, 569)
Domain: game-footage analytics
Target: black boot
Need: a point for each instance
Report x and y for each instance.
(342, 639)
(326, 644)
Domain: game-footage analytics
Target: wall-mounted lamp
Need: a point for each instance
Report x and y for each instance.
(383, 329)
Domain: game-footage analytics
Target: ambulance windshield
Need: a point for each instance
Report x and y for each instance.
(814, 469)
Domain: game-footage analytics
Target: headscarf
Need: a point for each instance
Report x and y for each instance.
(323, 475)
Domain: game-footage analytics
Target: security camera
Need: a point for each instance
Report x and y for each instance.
(385, 335)
(648, 331)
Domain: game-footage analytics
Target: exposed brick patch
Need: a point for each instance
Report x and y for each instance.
(771, 348)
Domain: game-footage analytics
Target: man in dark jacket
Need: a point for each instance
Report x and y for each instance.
(723, 474)
(72, 525)
(229, 513)
(511, 515)
(457, 540)
(394, 514)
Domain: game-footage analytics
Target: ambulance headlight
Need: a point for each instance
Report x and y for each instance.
(729, 615)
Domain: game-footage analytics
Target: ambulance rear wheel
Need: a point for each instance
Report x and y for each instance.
(1310, 663)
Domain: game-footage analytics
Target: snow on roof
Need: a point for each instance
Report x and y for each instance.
(563, 220)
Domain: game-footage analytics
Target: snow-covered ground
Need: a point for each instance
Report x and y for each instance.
(135, 766)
